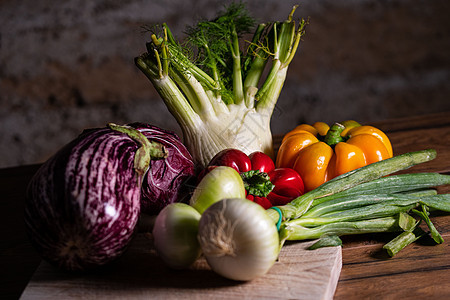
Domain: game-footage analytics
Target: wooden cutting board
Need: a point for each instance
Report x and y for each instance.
(140, 274)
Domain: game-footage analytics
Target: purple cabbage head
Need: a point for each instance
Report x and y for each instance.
(168, 180)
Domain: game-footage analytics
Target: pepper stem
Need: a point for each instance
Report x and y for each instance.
(257, 183)
(149, 149)
(333, 135)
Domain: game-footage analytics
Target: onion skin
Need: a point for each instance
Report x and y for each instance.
(220, 183)
(175, 235)
(83, 203)
(168, 180)
(238, 239)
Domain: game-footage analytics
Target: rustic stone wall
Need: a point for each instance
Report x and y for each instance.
(68, 65)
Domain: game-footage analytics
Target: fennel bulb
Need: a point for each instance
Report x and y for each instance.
(221, 96)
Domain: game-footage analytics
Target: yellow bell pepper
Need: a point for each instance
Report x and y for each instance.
(319, 152)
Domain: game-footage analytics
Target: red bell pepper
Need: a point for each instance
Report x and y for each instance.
(264, 184)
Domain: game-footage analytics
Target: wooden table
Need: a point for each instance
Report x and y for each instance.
(419, 271)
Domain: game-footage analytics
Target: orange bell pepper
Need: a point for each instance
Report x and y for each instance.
(319, 152)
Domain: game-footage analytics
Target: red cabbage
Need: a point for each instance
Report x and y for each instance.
(168, 180)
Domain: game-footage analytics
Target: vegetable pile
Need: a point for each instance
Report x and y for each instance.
(264, 184)
(365, 200)
(84, 203)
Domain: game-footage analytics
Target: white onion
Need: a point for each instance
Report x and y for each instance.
(238, 239)
(175, 235)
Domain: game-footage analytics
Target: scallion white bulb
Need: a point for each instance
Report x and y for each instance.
(238, 239)
(175, 235)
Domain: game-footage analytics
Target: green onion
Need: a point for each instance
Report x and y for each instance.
(365, 201)
(393, 184)
(401, 241)
(354, 201)
(294, 232)
(378, 210)
(424, 216)
(411, 233)
(326, 241)
(240, 247)
(373, 171)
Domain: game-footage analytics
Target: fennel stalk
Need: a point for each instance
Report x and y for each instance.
(225, 97)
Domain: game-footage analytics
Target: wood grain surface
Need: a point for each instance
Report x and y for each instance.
(420, 271)
(140, 274)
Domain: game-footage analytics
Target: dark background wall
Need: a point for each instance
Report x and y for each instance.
(68, 65)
